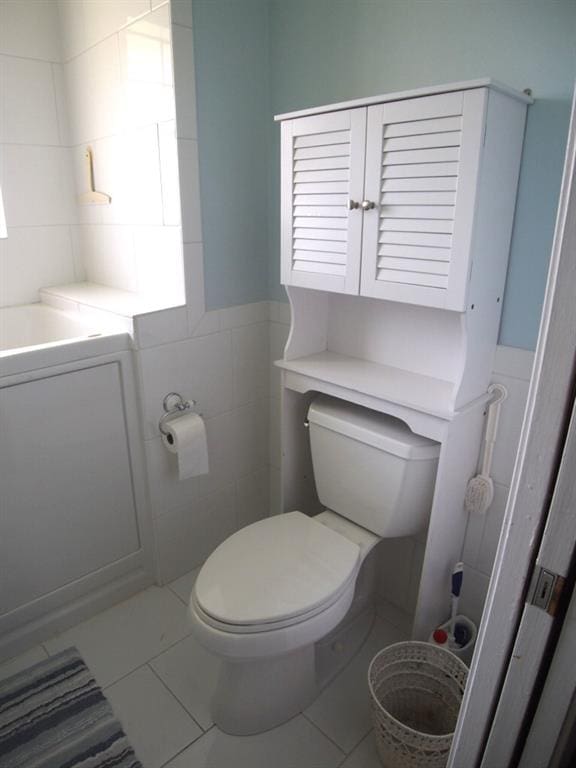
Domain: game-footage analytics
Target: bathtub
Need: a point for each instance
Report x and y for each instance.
(75, 533)
(34, 325)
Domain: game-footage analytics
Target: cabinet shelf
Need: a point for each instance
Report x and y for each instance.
(383, 382)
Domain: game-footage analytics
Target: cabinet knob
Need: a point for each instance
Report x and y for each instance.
(367, 205)
(353, 204)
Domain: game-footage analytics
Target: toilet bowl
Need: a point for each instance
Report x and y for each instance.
(261, 602)
(270, 592)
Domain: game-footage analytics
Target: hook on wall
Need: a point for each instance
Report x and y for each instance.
(92, 197)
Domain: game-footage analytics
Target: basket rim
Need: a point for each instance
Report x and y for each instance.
(375, 701)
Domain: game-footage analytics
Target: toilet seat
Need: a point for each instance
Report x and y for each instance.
(275, 573)
(269, 640)
(271, 625)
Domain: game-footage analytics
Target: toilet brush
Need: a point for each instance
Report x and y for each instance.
(457, 578)
(480, 490)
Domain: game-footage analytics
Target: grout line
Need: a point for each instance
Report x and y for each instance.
(147, 662)
(120, 679)
(167, 586)
(326, 736)
(366, 735)
(181, 703)
(116, 32)
(187, 747)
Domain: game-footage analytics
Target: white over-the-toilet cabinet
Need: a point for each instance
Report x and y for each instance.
(383, 200)
(397, 216)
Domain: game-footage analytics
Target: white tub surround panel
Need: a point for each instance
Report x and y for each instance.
(78, 538)
(397, 213)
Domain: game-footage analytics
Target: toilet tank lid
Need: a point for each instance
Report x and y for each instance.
(371, 427)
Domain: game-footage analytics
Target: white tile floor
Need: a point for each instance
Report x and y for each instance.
(159, 682)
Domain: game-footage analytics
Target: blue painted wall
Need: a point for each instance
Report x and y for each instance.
(231, 60)
(256, 58)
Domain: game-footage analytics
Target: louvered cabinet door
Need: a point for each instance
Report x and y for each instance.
(322, 172)
(422, 164)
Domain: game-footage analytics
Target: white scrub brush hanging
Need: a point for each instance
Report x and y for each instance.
(480, 490)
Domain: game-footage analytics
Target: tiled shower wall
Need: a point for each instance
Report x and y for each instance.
(120, 97)
(35, 162)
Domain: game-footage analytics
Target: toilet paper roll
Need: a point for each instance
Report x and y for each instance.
(186, 437)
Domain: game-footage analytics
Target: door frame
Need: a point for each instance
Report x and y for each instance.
(540, 448)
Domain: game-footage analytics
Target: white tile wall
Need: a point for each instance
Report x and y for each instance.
(189, 190)
(185, 85)
(95, 92)
(35, 164)
(30, 29)
(194, 281)
(103, 18)
(225, 370)
(181, 11)
(159, 246)
(513, 368)
(108, 255)
(199, 368)
(27, 93)
(36, 184)
(120, 96)
(187, 536)
(169, 173)
(32, 257)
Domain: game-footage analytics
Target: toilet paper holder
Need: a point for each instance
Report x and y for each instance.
(173, 404)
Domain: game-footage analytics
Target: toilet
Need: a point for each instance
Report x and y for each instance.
(271, 591)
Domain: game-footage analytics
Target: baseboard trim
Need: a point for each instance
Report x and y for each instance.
(55, 621)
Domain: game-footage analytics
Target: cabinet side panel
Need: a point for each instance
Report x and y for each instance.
(286, 201)
(473, 124)
(490, 247)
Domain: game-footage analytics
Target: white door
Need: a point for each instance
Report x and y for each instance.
(322, 183)
(422, 160)
(560, 687)
(538, 624)
(513, 647)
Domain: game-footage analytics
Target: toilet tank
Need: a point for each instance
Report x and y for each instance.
(371, 468)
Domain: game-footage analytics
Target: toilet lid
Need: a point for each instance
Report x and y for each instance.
(277, 568)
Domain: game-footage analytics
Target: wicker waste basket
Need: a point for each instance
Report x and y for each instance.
(416, 691)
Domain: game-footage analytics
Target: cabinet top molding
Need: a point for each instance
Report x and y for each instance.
(485, 82)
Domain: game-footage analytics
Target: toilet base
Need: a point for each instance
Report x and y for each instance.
(254, 696)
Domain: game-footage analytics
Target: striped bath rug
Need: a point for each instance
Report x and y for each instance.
(54, 715)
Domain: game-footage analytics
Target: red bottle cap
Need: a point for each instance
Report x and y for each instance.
(440, 636)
